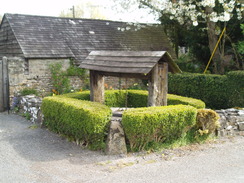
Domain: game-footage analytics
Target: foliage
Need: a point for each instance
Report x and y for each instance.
(73, 70)
(197, 24)
(207, 121)
(235, 86)
(176, 100)
(217, 91)
(115, 98)
(83, 121)
(28, 91)
(59, 79)
(144, 126)
(135, 98)
(241, 43)
(27, 115)
(187, 63)
(84, 95)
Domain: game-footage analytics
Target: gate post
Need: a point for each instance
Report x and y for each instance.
(1, 87)
(5, 84)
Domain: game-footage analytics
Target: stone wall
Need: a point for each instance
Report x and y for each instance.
(231, 122)
(30, 107)
(35, 73)
(122, 83)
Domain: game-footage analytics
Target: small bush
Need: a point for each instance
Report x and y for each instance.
(207, 121)
(28, 91)
(82, 121)
(176, 99)
(115, 98)
(85, 95)
(135, 98)
(144, 126)
(59, 79)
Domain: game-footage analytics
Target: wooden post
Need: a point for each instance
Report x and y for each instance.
(158, 85)
(152, 87)
(97, 87)
(162, 84)
(1, 87)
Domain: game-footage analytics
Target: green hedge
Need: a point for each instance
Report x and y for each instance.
(83, 121)
(217, 91)
(235, 88)
(136, 98)
(143, 126)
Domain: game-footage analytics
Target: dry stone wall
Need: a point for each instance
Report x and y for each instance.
(231, 122)
(30, 107)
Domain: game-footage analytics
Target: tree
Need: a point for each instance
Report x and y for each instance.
(210, 15)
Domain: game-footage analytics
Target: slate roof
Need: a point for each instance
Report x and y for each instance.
(135, 62)
(54, 37)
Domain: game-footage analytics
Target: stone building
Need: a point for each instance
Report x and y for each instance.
(32, 43)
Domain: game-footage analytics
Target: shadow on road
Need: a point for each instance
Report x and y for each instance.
(39, 144)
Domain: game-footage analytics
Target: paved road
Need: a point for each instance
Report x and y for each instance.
(29, 154)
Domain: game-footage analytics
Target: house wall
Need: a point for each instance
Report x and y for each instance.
(35, 73)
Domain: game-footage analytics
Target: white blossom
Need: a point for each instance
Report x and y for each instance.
(183, 11)
(195, 23)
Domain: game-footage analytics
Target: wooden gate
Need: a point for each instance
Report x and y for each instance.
(4, 85)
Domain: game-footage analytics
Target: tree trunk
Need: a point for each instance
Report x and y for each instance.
(213, 39)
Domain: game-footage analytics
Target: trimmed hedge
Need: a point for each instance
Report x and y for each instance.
(143, 126)
(217, 91)
(136, 98)
(83, 121)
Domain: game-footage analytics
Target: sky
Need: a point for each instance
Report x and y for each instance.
(55, 7)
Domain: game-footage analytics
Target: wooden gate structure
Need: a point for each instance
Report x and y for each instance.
(4, 85)
(150, 65)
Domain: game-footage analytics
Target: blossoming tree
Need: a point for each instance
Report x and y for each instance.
(209, 12)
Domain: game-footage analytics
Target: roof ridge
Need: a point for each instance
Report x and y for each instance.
(70, 18)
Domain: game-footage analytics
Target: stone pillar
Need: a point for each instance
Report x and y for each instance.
(115, 144)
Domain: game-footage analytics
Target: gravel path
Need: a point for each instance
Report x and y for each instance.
(29, 154)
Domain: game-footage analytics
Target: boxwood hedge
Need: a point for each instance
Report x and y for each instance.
(83, 121)
(135, 98)
(217, 91)
(87, 122)
(143, 126)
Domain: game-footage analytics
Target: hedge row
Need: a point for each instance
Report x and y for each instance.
(136, 98)
(143, 126)
(217, 91)
(83, 121)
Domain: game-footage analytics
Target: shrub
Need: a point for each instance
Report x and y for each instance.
(235, 89)
(28, 91)
(85, 95)
(207, 121)
(83, 121)
(143, 126)
(115, 98)
(175, 100)
(135, 98)
(217, 91)
(59, 79)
